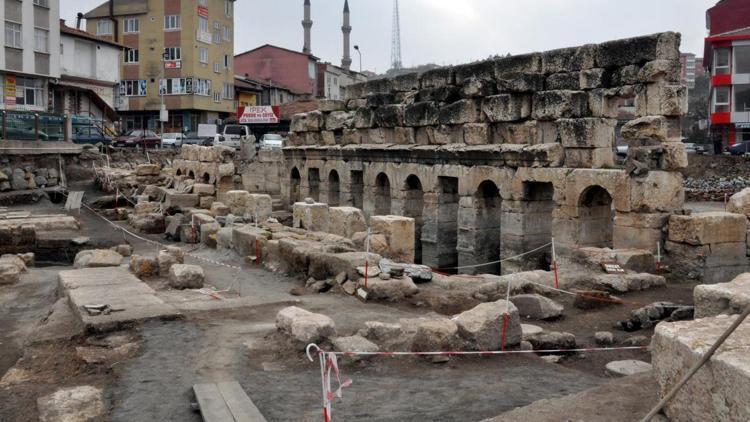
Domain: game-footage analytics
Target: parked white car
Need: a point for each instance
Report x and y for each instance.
(233, 136)
(172, 140)
(272, 141)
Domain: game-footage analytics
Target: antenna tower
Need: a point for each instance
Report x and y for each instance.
(396, 38)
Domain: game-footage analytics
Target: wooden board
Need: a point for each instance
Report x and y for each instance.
(239, 403)
(212, 405)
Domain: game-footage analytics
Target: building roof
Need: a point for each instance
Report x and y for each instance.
(247, 81)
(121, 7)
(264, 46)
(64, 29)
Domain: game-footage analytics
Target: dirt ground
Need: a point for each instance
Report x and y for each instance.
(213, 345)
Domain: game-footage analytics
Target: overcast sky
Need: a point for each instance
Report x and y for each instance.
(455, 31)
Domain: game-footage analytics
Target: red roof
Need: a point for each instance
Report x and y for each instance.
(64, 29)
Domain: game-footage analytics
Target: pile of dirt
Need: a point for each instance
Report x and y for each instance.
(714, 177)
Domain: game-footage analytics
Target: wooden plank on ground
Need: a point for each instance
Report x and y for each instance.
(239, 403)
(211, 402)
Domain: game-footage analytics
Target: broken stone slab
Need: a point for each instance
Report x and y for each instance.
(144, 266)
(622, 283)
(9, 274)
(552, 340)
(313, 217)
(480, 327)
(529, 330)
(304, 327)
(723, 298)
(628, 367)
(218, 209)
(678, 346)
(95, 258)
(708, 228)
(418, 273)
(72, 404)
(399, 233)
(354, 343)
(604, 338)
(739, 203)
(346, 221)
(649, 315)
(638, 260)
(536, 306)
(152, 223)
(392, 290)
(166, 259)
(183, 276)
(435, 335)
(389, 337)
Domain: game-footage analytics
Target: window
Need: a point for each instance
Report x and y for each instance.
(202, 87)
(228, 6)
(202, 24)
(742, 59)
(203, 55)
(13, 35)
(228, 93)
(722, 61)
(172, 22)
(721, 99)
(131, 55)
(217, 68)
(41, 40)
(217, 25)
(203, 3)
(216, 37)
(217, 97)
(311, 70)
(131, 25)
(173, 86)
(29, 92)
(227, 33)
(226, 61)
(43, 3)
(104, 27)
(173, 53)
(742, 98)
(136, 88)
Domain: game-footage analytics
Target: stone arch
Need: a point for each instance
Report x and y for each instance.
(595, 217)
(414, 208)
(179, 172)
(334, 189)
(313, 182)
(486, 229)
(206, 178)
(537, 207)
(295, 180)
(382, 195)
(191, 175)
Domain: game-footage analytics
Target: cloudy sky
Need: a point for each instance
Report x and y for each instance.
(455, 31)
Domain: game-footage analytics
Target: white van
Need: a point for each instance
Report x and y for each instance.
(271, 141)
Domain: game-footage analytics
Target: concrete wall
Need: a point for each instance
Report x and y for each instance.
(91, 60)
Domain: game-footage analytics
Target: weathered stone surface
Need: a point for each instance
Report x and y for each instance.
(553, 341)
(436, 335)
(479, 326)
(390, 115)
(72, 404)
(9, 273)
(399, 233)
(354, 343)
(183, 276)
(236, 200)
(218, 209)
(97, 258)
(651, 127)
(524, 63)
(587, 132)
(338, 119)
(506, 107)
(739, 203)
(166, 259)
(551, 105)
(459, 112)
(152, 223)
(144, 266)
(707, 228)
(258, 207)
(389, 337)
(304, 327)
(638, 260)
(391, 289)
(313, 217)
(604, 338)
(678, 346)
(345, 221)
(537, 306)
(628, 367)
(722, 298)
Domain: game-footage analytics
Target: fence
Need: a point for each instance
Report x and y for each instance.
(32, 126)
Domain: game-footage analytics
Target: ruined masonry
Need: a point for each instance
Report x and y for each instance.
(494, 158)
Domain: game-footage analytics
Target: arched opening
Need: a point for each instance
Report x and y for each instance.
(414, 208)
(487, 213)
(334, 189)
(595, 216)
(357, 188)
(441, 250)
(382, 195)
(178, 173)
(537, 206)
(294, 184)
(313, 180)
(191, 175)
(206, 178)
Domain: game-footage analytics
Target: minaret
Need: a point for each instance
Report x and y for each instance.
(307, 24)
(346, 62)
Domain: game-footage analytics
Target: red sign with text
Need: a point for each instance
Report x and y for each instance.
(259, 115)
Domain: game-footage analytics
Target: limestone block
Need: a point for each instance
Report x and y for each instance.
(181, 200)
(313, 217)
(569, 59)
(375, 100)
(660, 70)
(200, 218)
(631, 51)
(638, 260)
(393, 289)
(354, 344)
(218, 209)
(246, 239)
(96, 258)
(652, 127)
(436, 78)
(424, 113)
(463, 111)
(72, 404)
(331, 105)
(587, 132)
(722, 298)
(625, 75)
(166, 260)
(592, 78)
(404, 135)
(739, 203)
(476, 134)
(355, 91)
(364, 118)
(564, 80)
(378, 86)
(677, 346)
(204, 189)
(667, 100)
(313, 138)
(551, 105)
(206, 202)
(444, 94)
(595, 158)
(658, 191)
(436, 335)
(707, 227)
(183, 276)
(536, 306)
(351, 136)
(236, 200)
(521, 83)
(9, 274)
(147, 170)
(338, 119)
(476, 87)
(144, 266)
(390, 115)
(143, 208)
(506, 107)
(313, 121)
(444, 134)
(259, 207)
(399, 232)
(152, 223)
(543, 155)
(226, 169)
(304, 327)
(524, 63)
(406, 82)
(345, 221)
(480, 327)
(484, 69)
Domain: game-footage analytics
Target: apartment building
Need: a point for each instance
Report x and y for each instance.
(177, 52)
(30, 58)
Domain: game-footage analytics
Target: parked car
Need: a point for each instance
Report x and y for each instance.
(233, 136)
(172, 140)
(740, 148)
(192, 138)
(138, 138)
(90, 135)
(692, 148)
(272, 141)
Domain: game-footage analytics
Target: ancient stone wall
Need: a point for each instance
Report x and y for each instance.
(494, 158)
